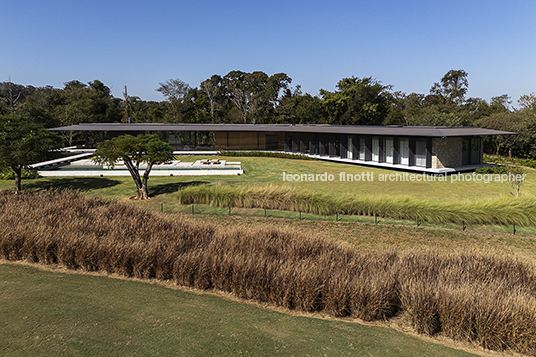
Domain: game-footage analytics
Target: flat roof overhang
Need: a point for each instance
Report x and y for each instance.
(424, 131)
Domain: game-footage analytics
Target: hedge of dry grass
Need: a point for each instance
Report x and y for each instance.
(471, 296)
(500, 210)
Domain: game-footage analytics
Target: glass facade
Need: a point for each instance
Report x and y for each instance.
(362, 148)
(420, 152)
(403, 151)
(272, 142)
(471, 151)
(376, 149)
(189, 140)
(389, 150)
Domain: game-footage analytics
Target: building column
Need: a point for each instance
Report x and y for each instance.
(294, 142)
(287, 143)
(428, 153)
(396, 152)
(381, 149)
(331, 144)
(344, 146)
(368, 148)
(313, 143)
(355, 147)
(322, 144)
(302, 143)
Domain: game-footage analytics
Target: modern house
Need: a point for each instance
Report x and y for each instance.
(423, 149)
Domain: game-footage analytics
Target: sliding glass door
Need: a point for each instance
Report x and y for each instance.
(403, 149)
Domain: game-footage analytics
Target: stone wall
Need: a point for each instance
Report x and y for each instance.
(446, 152)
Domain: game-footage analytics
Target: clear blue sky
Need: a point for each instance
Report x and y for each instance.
(404, 43)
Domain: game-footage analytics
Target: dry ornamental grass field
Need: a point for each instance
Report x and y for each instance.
(469, 296)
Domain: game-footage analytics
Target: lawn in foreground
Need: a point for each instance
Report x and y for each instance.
(54, 313)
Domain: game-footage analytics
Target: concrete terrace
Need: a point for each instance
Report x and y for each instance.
(85, 167)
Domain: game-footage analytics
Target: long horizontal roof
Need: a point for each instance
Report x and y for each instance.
(289, 128)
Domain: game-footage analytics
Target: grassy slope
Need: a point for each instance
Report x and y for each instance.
(270, 171)
(401, 238)
(52, 313)
(265, 171)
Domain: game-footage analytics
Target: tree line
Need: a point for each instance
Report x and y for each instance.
(242, 97)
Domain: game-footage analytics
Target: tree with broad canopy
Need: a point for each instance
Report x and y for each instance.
(23, 143)
(134, 150)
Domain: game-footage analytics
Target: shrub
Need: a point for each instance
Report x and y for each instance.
(278, 154)
(500, 169)
(504, 160)
(26, 174)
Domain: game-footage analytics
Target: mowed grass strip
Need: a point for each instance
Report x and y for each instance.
(53, 313)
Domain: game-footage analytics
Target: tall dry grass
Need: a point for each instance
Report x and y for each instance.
(501, 210)
(470, 296)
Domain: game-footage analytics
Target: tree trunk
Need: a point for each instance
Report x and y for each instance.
(133, 169)
(143, 194)
(141, 182)
(18, 179)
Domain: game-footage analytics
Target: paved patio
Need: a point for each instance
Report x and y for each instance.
(86, 167)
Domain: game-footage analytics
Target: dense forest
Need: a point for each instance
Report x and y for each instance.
(241, 97)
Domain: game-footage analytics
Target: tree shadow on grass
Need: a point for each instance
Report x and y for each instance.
(172, 187)
(81, 184)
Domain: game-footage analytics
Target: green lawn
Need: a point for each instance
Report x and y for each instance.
(52, 313)
(262, 171)
(269, 171)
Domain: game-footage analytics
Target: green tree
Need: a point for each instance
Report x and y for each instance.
(453, 87)
(23, 143)
(148, 112)
(275, 84)
(527, 101)
(80, 103)
(434, 118)
(212, 88)
(254, 93)
(134, 151)
(445, 105)
(243, 90)
(12, 94)
(174, 91)
(517, 122)
(297, 108)
(357, 101)
(39, 107)
(501, 103)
